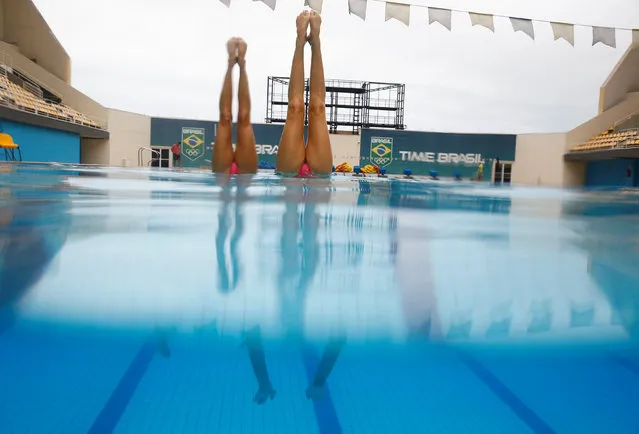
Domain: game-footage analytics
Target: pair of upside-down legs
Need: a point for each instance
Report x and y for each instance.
(292, 154)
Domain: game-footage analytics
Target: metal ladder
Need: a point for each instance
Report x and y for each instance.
(141, 155)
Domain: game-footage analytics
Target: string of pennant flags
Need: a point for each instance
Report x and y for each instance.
(401, 12)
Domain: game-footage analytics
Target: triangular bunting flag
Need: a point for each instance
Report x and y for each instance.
(358, 8)
(605, 35)
(269, 3)
(482, 20)
(441, 16)
(635, 36)
(523, 25)
(398, 11)
(316, 5)
(564, 31)
(226, 3)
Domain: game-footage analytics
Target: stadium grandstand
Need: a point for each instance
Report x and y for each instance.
(39, 109)
(603, 151)
(51, 121)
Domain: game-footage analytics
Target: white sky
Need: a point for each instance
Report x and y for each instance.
(167, 57)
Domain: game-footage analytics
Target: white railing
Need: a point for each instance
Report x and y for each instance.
(625, 118)
(141, 155)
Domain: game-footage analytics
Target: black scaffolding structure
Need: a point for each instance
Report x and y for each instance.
(350, 104)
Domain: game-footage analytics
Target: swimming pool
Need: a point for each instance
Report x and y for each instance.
(148, 301)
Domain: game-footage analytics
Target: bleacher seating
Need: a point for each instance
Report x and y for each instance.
(13, 95)
(608, 140)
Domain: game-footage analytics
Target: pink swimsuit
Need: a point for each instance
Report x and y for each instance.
(234, 170)
(304, 172)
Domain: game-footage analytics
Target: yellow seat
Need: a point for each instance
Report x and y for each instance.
(6, 142)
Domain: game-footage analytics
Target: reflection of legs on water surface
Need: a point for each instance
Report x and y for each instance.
(230, 215)
(244, 159)
(297, 273)
(300, 254)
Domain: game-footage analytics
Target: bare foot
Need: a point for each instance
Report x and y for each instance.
(241, 50)
(231, 47)
(315, 20)
(302, 25)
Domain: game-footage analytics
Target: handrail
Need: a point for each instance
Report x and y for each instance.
(141, 150)
(626, 118)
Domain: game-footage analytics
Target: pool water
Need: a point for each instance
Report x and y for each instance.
(149, 301)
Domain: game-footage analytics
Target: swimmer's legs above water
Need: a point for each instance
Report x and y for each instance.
(244, 160)
(292, 154)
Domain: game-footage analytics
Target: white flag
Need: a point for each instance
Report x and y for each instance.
(269, 3)
(358, 8)
(441, 16)
(316, 5)
(564, 31)
(605, 35)
(226, 3)
(398, 11)
(482, 20)
(523, 25)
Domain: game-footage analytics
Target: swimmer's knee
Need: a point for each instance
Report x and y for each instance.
(296, 105)
(226, 117)
(317, 106)
(244, 116)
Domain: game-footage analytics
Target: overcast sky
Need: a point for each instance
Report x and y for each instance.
(167, 57)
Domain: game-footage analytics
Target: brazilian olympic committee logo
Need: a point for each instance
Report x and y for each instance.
(381, 151)
(193, 143)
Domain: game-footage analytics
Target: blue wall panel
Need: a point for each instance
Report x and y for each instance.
(165, 132)
(612, 173)
(43, 144)
(443, 152)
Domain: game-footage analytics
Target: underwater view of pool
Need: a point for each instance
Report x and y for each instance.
(157, 301)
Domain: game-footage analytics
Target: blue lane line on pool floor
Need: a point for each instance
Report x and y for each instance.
(324, 408)
(114, 408)
(525, 413)
(629, 365)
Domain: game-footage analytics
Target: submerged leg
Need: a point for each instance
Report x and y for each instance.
(245, 154)
(291, 153)
(319, 155)
(223, 149)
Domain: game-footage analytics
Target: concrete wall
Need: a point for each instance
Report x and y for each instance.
(603, 121)
(2, 17)
(345, 149)
(94, 151)
(539, 160)
(129, 132)
(43, 144)
(24, 27)
(623, 79)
